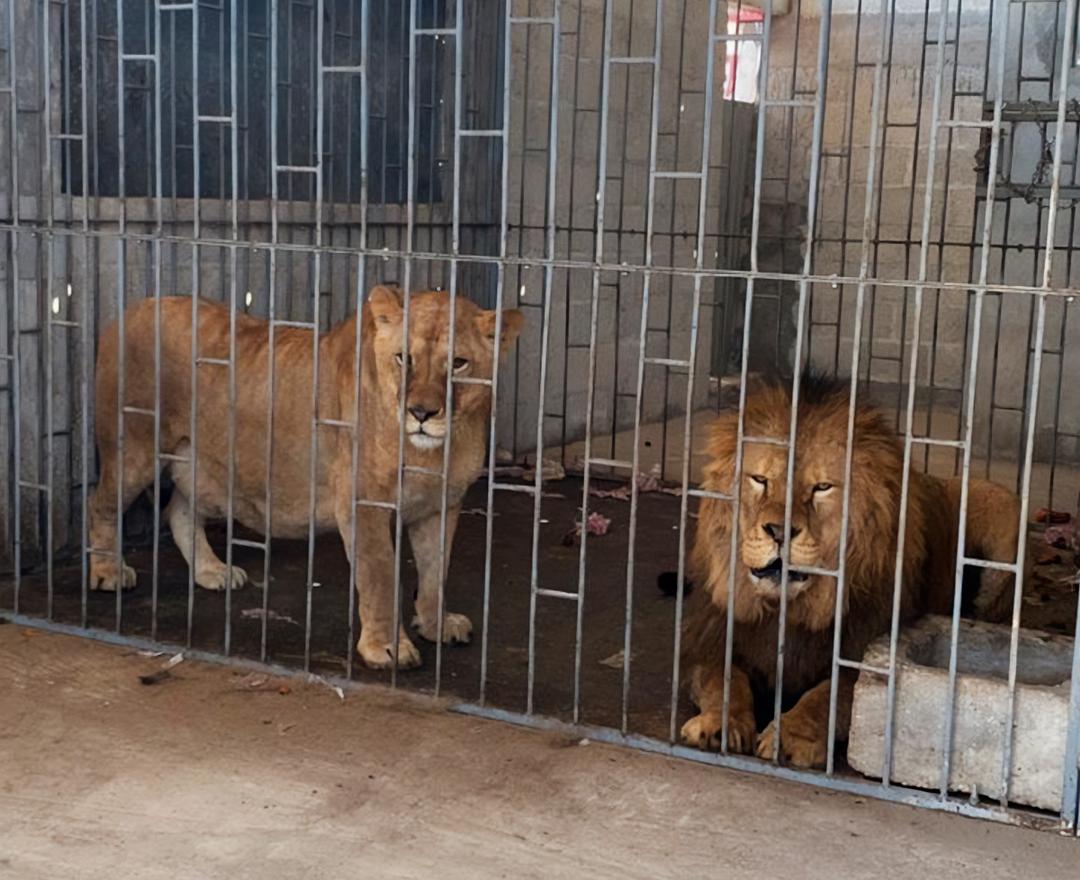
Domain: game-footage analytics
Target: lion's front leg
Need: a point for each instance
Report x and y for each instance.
(707, 691)
(424, 538)
(804, 729)
(375, 591)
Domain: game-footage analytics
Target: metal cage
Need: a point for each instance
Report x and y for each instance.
(678, 194)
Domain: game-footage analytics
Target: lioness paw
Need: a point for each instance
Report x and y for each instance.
(377, 653)
(457, 629)
(704, 732)
(798, 747)
(104, 576)
(216, 577)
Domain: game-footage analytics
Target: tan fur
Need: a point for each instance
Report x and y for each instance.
(875, 492)
(377, 467)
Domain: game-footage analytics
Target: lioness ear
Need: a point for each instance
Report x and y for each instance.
(512, 320)
(385, 304)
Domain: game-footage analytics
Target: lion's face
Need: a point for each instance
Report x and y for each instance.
(430, 361)
(816, 514)
(816, 509)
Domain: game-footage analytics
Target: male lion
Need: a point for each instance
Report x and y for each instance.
(377, 465)
(875, 491)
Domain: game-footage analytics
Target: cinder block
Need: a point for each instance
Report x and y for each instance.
(1040, 718)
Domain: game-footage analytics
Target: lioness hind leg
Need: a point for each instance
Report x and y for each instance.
(706, 729)
(106, 571)
(187, 530)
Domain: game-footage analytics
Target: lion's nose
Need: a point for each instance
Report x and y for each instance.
(776, 532)
(421, 413)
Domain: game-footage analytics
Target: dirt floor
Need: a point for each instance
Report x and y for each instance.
(213, 773)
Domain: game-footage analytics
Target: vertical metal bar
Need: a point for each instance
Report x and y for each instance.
(121, 284)
(654, 125)
(47, 196)
(601, 201)
(86, 334)
(969, 409)
(156, 251)
(1033, 398)
(545, 331)
(361, 281)
(876, 147)
(800, 328)
(740, 425)
(455, 248)
(196, 280)
(313, 459)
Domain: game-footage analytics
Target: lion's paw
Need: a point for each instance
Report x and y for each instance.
(799, 746)
(104, 575)
(377, 653)
(457, 629)
(704, 731)
(215, 576)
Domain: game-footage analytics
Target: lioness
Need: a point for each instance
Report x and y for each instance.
(377, 468)
(876, 473)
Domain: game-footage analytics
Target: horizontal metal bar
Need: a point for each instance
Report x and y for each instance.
(667, 362)
(139, 57)
(861, 667)
(297, 169)
(514, 487)
(966, 123)
(814, 570)
(470, 380)
(335, 423)
(677, 175)
(29, 484)
(68, 136)
(176, 7)
(482, 132)
(1010, 567)
(610, 462)
(224, 120)
(212, 362)
(936, 441)
(254, 545)
(344, 68)
(380, 505)
(558, 594)
(297, 325)
(172, 456)
(766, 441)
(708, 493)
(427, 472)
(139, 411)
(789, 102)
(530, 19)
(633, 59)
(435, 32)
(736, 38)
(60, 322)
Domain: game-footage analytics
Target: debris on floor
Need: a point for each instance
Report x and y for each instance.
(477, 511)
(318, 679)
(252, 681)
(551, 471)
(596, 524)
(1051, 517)
(164, 673)
(616, 660)
(269, 614)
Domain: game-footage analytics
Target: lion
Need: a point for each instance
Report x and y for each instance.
(203, 494)
(926, 584)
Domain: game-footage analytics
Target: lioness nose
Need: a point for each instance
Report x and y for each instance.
(421, 413)
(776, 532)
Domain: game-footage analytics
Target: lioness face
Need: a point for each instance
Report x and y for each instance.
(815, 513)
(428, 361)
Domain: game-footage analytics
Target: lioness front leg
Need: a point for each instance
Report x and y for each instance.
(424, 538)
(707, 692)
(375, 591)
(804, 729)
(188, 530)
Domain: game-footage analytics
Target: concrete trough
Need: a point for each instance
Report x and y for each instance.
(1040, 720)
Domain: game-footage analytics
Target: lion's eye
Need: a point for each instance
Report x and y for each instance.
(759, 479)
(460, 364)
(399, 357)
(822, 487)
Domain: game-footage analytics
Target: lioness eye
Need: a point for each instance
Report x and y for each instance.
(822, 487)
(759, 479)
(460, 364)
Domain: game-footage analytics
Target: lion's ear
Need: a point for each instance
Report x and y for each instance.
(385, 304)
(512, 321)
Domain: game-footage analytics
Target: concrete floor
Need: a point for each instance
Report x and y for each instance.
(217, 773)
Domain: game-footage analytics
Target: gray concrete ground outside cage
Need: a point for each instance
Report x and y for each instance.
(217, 773)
